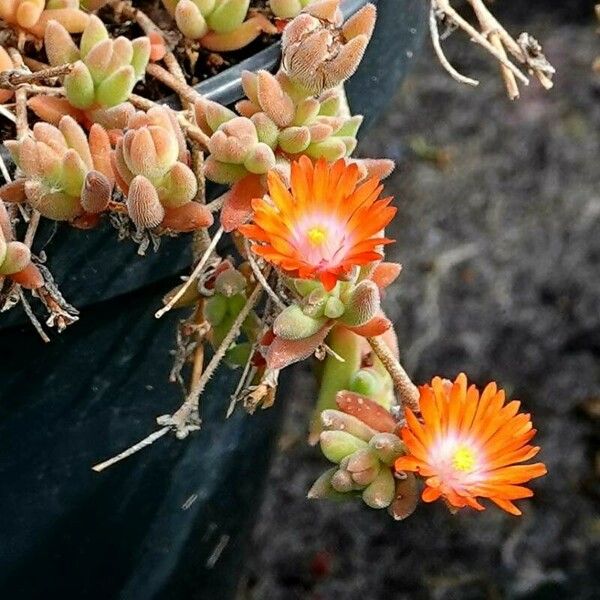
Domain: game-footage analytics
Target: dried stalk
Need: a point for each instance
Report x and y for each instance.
(260, 278)
(194, 275)
(183, 90)
(186, 418)
(495, 40)
(13, 79)
(408, 393)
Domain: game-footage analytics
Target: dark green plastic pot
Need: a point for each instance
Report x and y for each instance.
(173, 521)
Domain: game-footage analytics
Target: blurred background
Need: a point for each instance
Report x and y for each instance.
(499, 232)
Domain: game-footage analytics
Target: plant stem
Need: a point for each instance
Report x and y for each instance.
(408, 392)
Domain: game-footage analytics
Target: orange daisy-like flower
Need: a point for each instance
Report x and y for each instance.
(324, 226)
(468, 445)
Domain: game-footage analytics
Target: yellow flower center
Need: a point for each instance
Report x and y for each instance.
(316, 235)
(463, 459)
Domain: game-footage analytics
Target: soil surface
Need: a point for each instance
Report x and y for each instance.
(499, 233)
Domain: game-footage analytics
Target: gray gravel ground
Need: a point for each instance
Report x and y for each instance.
(502, 253)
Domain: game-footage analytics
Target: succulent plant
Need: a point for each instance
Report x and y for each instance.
(65, 173)
(33, 16)
(360, 437)
(102, 78)
(318, 52)
(151, 167)
(220, 25)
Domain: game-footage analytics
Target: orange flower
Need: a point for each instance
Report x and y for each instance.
(468, 445)
(324, 226)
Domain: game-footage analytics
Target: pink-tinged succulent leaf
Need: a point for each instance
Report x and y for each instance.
(228, 15)
(285, 9)
(361, 22)
(190, 20)
(94, 33)
(143, 205)
(158, 46)
(29, 12)
(337, 445)
(307, 111)
(363, 304)
(366, 410)
(6, 64)
(327, 10)
(224, 173)
(246, 108)
(273, 100)
(406, 498)
(336, 420)
(29, 278)
(283, 353)
(6, 233)
(51, 136)
(100, 150)
(375, 167)
(387, 447)
(189, 217)
(96, 192)
(237, 207)
(114, 118)
(344, 65)
(57, 206)
(73, 173)
(330, 103)
(240, 37)
(73, 20)
(79, 86)
(16, 257)
(320, 132)
(266, 129)
(346, 128)
(142, 49)
(385, 273)
(294, 140)
(59, 45)
(250, 86)
(117, 87)
(378, 325)
(260, 159)
(98, 60)
(380, 493)
(293, 324)
(178, 187)
(211, 115)
(123, 174)
(76, 139)
(52, 108)
(331, 149)
(13, 191)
